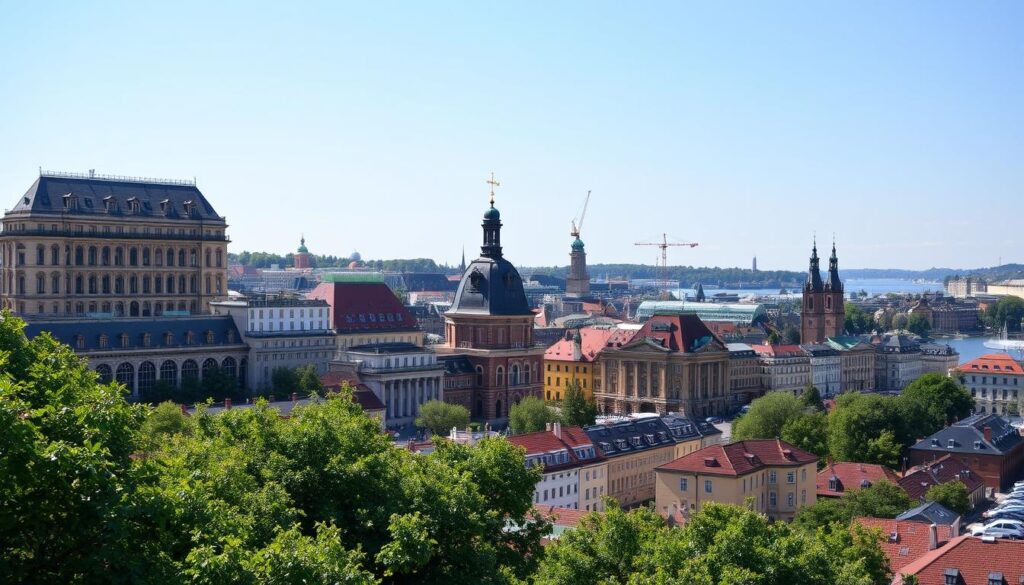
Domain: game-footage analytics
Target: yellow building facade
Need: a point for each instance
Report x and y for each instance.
(572, 360)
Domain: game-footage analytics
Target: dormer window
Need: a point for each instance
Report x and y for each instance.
(133, 205)
(951, 576)
(168, 338)
(950, 443)
(124, 340)
(231, 336)
(190, 338)
(146, 339)
(833, 484)
(209, 337)
(104, 342)
(70, 202)
(110, 204)
(79, 342)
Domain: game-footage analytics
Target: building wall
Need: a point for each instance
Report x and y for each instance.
(631, 476)
(689, 446)
(630, 382)
(826, 374)
(593, 480)
(560, 373)
(745, 382)
(558, 488)
(894, 371)
(758, 485)
(857, 369)
(999, 472)
(128, 366)
(786, 374)
(1000, 394)
(270, 352)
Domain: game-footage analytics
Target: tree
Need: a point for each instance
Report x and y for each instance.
(162, 421)
(577, 409)
(767, 416)
(811, 398)
(218, 384)
(899, 321)
(773, 338)
(66, 466)
(791, 335)
(881, 500)
(918, 324)
(530, 415)
(308, 381)
(857, 321)
(931, 402)
(161, 391)
(439, 417)
(284, 381)
(809, 432)
(1008, 310)
(952, 494)
(858, 427)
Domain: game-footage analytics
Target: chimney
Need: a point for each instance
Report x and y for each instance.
(295, 396)
(933, 537)
(227, 404)
(547, 427)
(558, 430)
(988, 434)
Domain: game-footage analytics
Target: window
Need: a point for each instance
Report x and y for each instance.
(707, 486)
(771, 478)
(791, 477)
(789, 499)
(683, 484)
(771, 499)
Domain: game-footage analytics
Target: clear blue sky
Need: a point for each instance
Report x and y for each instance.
(372, 126)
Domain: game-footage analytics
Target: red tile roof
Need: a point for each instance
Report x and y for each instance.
(851, 475)
(592, 341)
(972, 558)
(568, 517)
(621, 336)
(779, 351)
(997, 363)
(359, 307)
(740, 458)
(912, 539)
(945, 469)
(679, 333)
(542, 442)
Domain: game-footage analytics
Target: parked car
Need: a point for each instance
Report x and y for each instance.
(1011, 533)
(1011, 515)
(1005, 508)
(1001, 524)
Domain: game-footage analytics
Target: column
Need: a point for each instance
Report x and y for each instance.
(389, 400)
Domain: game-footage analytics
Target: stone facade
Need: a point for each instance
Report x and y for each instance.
(403, 376)
(111, 247)
(744, 375)
(822, 312)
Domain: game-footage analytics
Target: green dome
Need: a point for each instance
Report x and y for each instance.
(302, 246)
(577, 244)
(492, 213)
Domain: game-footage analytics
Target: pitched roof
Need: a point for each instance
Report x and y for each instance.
(968, 436)
(592, 341)
(632, 436)
(684, 428)
(779, 351)
(932, 512)
(544, 442)
(971, 561)
(740, 458)
(364, 307)
(159, 199)
(906, 540)
(68, 331)
(920, 479)
(333, 380)
(851, 477)
(678, 333)
(993, 363)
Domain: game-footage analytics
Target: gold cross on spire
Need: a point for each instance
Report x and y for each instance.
(493, 183)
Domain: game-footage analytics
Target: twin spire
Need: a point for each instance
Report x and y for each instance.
(814, 282)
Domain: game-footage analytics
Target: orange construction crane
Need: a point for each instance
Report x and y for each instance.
(663, 273)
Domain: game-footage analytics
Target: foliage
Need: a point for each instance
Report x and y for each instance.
(1008, 310)
(720, 544)
(918, 324)
(161, 391)
(899, 321)
(267, 259)
(808, 431)
(952, 494)
(881, 500)
(791, 335)
(811, 398)
(308, 380)
(773, 338)
(860, 429)
(933, 401)
(530, 415)
(857, 320)
(284, 381)
(439, 417)
(767, 416)
(66, 442)
(577, 409)
(218, 384)
(162, 422)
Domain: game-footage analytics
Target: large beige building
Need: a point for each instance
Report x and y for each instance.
(633, 449)
(856, 362)
(775, 476)
(99, 246)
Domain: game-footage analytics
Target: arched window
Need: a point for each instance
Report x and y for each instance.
(133, 309)
(526, 373)
(133, 257)
(513, 375)
(126, 376)
(497, 409)
(220, 258)
(145, 256)
(159, 257)
(79, 308)
(146, 310)
(170, 285)
(181, 257)
(158, 285)
(209, 257)
(147, 377)
(40, 284)
(146, 285)
(189, 370)
(21, 285)
(106, 284)
(209, 285)
(54, 255)
(500, 377)
(170, 256)
(480, 376)
(169, 373)
(105, 374)
(92, 285)
(192, 284)
(40, 255)
(119, 285)
(67, 255)
(158, 307)
(79, 256)
(181, 284)
(92, 255)
(55, 284)
(193, 258)
(209, 366)
(219, 285)
(133, 284)
(105, 256)
(230, 367)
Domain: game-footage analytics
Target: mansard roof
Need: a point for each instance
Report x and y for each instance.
(89, 331)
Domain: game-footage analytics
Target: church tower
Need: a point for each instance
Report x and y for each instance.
(301, 258)
(577, 284)
(822, 313)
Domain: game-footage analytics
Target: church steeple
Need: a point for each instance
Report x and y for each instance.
(814, 283)
(834, 283)
(492, 227)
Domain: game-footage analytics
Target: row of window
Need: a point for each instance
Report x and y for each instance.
(558, 368)
(1005, 380)
(116, 256)
(125, 373)
(94, 285)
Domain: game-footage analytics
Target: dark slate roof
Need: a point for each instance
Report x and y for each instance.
(684, 428)
(419, 281)
(67, 331)
(616, 439)
(899, 343)
(931, 512)
(818, 349)
(456, 364)
(46, 195)
(968, 436)
(491, 286)
(937, 349)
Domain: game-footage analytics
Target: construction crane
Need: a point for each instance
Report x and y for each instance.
(578, 227)
(663, 272)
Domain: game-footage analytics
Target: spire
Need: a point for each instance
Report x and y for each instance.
(814, 283)
(834, 283)
(700, 293)
(492, 226)
(462, 267)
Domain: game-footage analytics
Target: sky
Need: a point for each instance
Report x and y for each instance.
(748, 127)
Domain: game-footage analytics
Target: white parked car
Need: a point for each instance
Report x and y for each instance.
(1001, 529)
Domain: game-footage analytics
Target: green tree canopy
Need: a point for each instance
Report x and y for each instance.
(577, 409)
(308, 381)
(881, 500)
(812, 398)
(284, 381)
(952, 494)
(439, 417)
(1008, 310)
(900, 321)
(791, 335)
(808, 431)
(767, 415)
(857, 320)
(860, 429)
(530, 415)
(933, 401)
(918, 324)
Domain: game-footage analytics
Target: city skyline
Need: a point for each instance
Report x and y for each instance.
(374, 129)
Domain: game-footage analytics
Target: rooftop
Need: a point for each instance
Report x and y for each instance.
(993, 363)
(632, 436)
(968, 436)
(967, 560)
(359, 307)
(906, 540)
(592, 341)
(852, 476)
(920, 479)
(932, 512)
(747, 314)
(740, 458)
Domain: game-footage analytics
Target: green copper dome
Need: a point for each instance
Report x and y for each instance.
(492, 213)
(302, 246)
(577, 244)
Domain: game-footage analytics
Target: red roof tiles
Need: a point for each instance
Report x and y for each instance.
(945, 469)
(592, 341)
(680, 333)
(359, 307)
(971, 560)
(850, 477)
(779, 351)
(906, 540)
(993, 363)
(740, 458)
(542, 442)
